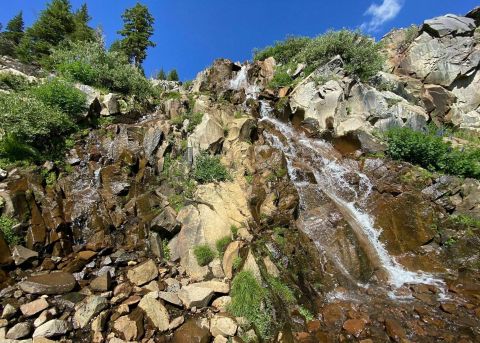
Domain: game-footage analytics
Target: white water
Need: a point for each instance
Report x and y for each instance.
(330, 175)
(241, 82)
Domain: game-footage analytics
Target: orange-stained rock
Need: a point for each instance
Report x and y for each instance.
(354, 326)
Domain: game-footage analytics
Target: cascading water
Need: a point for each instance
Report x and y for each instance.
(241, 82)
(331, 178)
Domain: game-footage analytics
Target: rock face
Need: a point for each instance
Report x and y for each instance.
(54, 283)
(449, 24)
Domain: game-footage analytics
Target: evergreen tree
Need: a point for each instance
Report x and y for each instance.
(10, 39)
(161, 75)
(173, 75)
(55, 24)
(137, 30)
(82, 32)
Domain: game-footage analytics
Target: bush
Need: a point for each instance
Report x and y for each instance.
(9, 81)
(6, 226)
(204, 254)
(280, 79)
(360, 53)
(90, 63)
(209, 168)
(29, 121)
(61, 94)
(251, 301)
(222, 244)
(282, 51)
(431, 152)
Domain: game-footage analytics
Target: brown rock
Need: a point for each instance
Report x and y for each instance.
(5, 256)
(354, 326)
(86, 255)
(230, 254)
(192, 333)
(101, 283)
(449, 308)
(130, 328)
(34, 307)
(53, 283)
(394, 330)
(143, 273)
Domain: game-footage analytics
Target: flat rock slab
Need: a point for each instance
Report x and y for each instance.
(450, 24)
(54, 283)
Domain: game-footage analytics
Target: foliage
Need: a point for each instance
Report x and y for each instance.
(193, 120)
(61, 94)
(12, 36)
(234, 230)
(360, 53)
(9, 81)
(209, 168)
(90, 63)
(280, 79)
(222, 243)
(431, 152)
(204, 254)
(251, 301)
(6, 226)
(410, 33)
(306, 313)
(179, 180)
(282, 51)
(82, 31)
(281, 290)
(173, 75)
(137, 30)
(161, 75)
(237, 262)
(55, 24)
(466, 220)
(166, 250)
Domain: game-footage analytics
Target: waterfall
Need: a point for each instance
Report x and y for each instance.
(330, 174)
(240, 81)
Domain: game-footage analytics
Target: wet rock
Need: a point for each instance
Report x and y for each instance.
(34, 307)
(18, 331)
(223, 325)
(395, 330)
(191, 332)
(102, 283)
(354, 326)
(88, 308)
(130, 328)
(156, 312)
(193, 296)
(143, 273)
(53, 283)
(5, 255)
(53, 328)
(21, 254)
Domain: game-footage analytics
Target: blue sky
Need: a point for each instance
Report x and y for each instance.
(190, 34)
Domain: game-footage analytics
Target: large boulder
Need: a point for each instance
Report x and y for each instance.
(208, 135)
(449, 24)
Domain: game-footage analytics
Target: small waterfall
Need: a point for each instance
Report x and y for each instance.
(331, 179)
(240, 81)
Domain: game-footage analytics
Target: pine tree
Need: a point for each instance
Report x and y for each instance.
(55, 24)
(161, 75)
(137, 30)
(10, 38)
(82, 32)
(173, 75)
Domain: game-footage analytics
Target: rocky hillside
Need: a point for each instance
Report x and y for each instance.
(233, 210)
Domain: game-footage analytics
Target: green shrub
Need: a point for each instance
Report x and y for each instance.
(237, 262)
(193, 120)
(30, 122)
(58, 93)
(209, 168)
(280, 79)
(431, 152)
(251, 301)
(90, 63)
(234, 230)
(166, 250)
(9, 81)
(360, 53)
(466, 220)
(306, 313)
(282, 51)
(222, 244)
(6, 226)
(204, 254)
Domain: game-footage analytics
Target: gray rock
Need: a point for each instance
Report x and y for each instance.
(194, 296)
(155, 311)
(223, 325)
(53, 283)
(449, 24)
(19, 331)
(110, 105)
(52, 328)
(21, 254)
(34, 307)
(9, 311)
(87, 309)
(170, 297)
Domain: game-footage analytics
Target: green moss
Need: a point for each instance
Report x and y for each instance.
(466, 220)
(306, 313)
(6, 226)
(166, 250)
(281, 290)
(222, 244)
(204, 254)
(251, 301)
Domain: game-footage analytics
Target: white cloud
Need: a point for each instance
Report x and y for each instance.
(382, 13)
